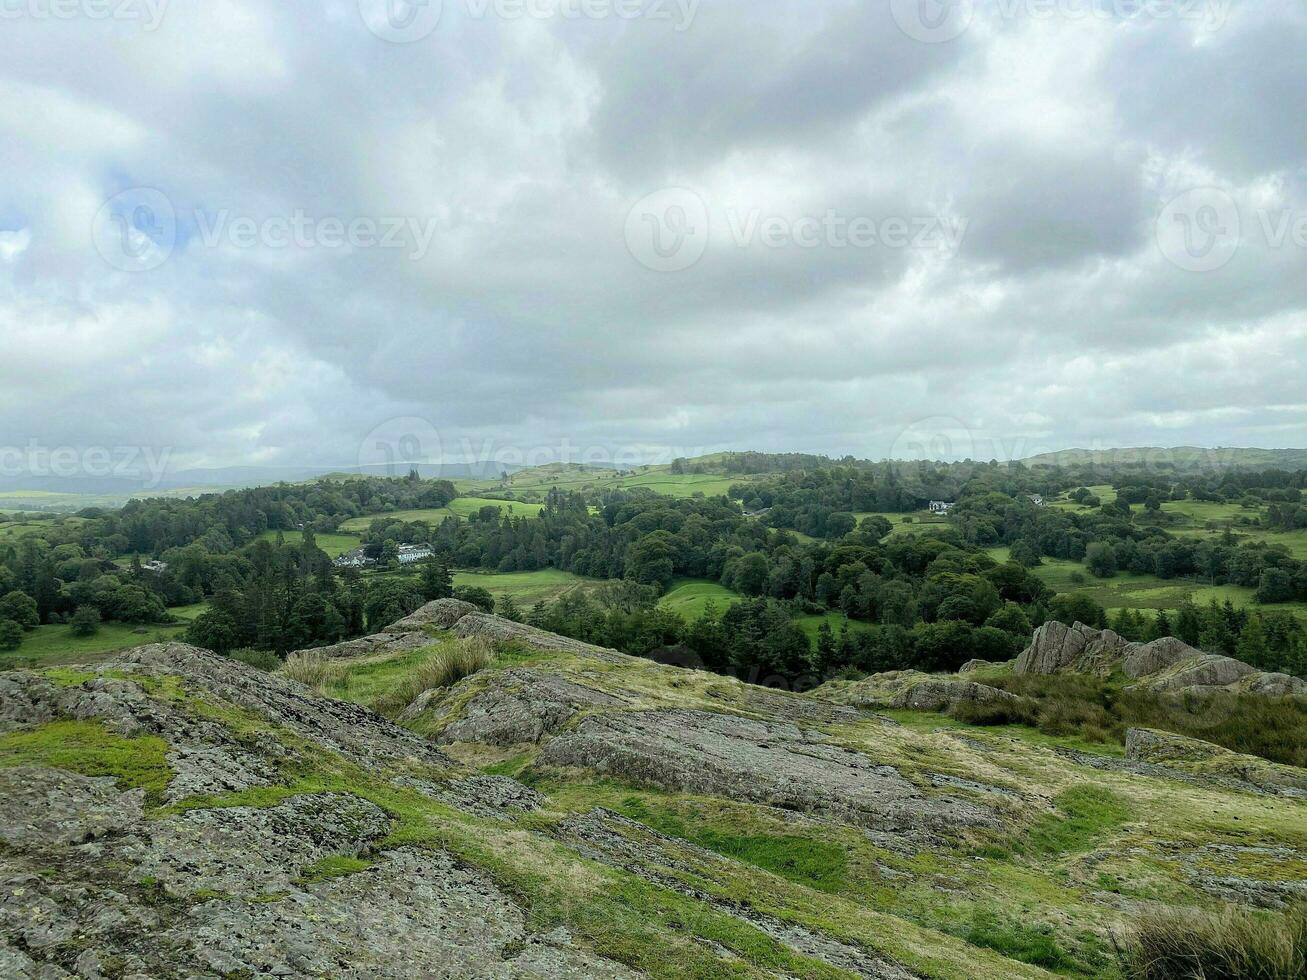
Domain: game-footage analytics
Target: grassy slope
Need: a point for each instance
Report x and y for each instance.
(1082, 849)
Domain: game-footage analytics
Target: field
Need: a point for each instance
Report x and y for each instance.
(461, 507)
(1144, 592)
(333, 544)
(689, 597)
(47, 645)
(11, 531)
(539, 480)
(526, 588)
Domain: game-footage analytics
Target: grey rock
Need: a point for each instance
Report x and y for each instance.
(974, 665)
(938, 694)
(1056, 648)
(1207, 670)
(760, 762)
(44, 807)
(1151, 745)
(441, 614)
(517, 706)
(506, 630)
(1277, 685)
(1159, 654)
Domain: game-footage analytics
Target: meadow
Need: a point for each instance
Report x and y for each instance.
(460, 507)
(539, 480)
(333, 544)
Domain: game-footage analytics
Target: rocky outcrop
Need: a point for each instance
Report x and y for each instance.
(1166, 664)
(778, 764)
(972, 666)
(507, 631)
(1057, 648)
(1201, 758)
(409, 633)
(940, 694)
(513, 707)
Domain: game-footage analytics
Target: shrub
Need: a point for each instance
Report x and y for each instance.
(262, 659)
(86, 621)
(1171, 944)
(995, 713)
(11, 635)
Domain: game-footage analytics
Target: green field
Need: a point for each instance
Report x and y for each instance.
(689, 597)
(461, 507)
(526, 588)
(15, 530)
(811, 624)
(47, 645)
(333, 544)
(539, 480)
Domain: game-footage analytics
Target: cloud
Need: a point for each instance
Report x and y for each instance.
(513, 311)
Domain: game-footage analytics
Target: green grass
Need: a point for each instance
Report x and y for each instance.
(56, 644)
(334, 866)
(461, 507)
(689, 597)
(88, 748)
(836, 620)
(526, 588)
(540, 480)
(1087, 813)
(334, 545)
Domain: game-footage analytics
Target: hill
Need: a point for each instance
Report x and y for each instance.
(464, 796)
(1178, 458)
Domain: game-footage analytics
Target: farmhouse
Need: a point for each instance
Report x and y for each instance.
(1036, 499)
(941, 506)
(409, 553)
(353, 559)
(156, 567)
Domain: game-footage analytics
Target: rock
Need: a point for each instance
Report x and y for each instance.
(1207, 670)
(409, 633)
(1151, 745)
(1056, 648)
(1276, 685)
(506, 630)
(778, 764)
(973, 665)
(45, 806)
(440, 614)
(938, 694)
(1149, 658)
(514, 707)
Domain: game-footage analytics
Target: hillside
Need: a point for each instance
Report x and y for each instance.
(1176, 457)
(568, 811)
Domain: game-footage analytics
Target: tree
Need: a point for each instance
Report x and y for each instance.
(86, 621)
(20, 608)
(476, 595)
(436, 581)
(506, 606)
(213, 630)
(1100, 559)
(11, 635)
(1011, 618)
(1252, 648)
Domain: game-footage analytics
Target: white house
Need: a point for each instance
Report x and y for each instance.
(156, 566)
(941, 506)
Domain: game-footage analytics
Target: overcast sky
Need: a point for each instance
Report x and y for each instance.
(315, 232)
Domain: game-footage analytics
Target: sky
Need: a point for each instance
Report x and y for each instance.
(351, 231)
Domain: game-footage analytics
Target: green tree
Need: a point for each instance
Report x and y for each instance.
(86, 621)
(1100, 559)
(20, 608)
(11, 635)
(436, 582)
(1252, 648)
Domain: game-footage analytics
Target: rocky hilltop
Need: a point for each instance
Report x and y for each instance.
(553, 809)
(1165, 664)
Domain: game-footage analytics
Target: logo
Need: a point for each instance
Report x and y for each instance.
(401, 21)
(668, 230)
(932, 21)
(136, 230)
(399, 445)
(1199, 230)
(936, 438)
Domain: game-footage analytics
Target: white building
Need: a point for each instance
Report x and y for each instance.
(941, 506)
(409, 553)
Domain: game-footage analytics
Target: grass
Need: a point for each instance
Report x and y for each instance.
(390, 684)
(525, 588)
(334, 866)
(334, 545)
(690, 597)
(86, 747)
(57, 644)
(1087, 813)
(460, 507)
(1229, 945)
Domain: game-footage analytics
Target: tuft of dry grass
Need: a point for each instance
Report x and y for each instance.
(311, 668)
(459, 659)
(1179, 944)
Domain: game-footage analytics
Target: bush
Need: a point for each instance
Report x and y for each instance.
(86, 621)
(262, 659)
(1171, 944)
(476, 595)
(11, 635)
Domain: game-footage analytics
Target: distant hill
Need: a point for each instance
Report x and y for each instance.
(1179, 457)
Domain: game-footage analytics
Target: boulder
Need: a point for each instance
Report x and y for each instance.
(499, 629)
(1206, 670)
(938, 694)
(1211, 761)
(1149, 658)
(1152, 745)
(974, 665)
